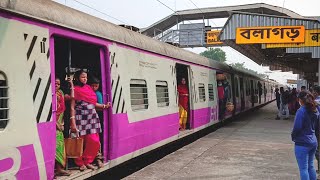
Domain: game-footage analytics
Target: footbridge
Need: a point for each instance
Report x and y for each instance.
(270, 35)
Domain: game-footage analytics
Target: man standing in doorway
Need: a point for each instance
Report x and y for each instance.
(260, 91)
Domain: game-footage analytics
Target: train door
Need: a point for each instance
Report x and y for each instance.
(184, 89)
(72, 56)
(265, 91)
(237, 94)
(242, 94)
(252, 93)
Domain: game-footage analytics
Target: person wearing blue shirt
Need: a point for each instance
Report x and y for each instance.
(95, 86)
(316, 94)
(304, 137)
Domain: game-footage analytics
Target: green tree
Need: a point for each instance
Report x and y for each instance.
(241, 67)
(216, 54)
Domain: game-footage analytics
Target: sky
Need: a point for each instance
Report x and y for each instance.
(143, 13)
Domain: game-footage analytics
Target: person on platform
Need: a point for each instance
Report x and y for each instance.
(284, 99)
(304, 135)
(277, 98)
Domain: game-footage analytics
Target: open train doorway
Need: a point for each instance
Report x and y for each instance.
(243, 103)
(183, 88)
(252, 93)
(72, 56)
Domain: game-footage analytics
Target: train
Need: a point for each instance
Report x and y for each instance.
(139, 75)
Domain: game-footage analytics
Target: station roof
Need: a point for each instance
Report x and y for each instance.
(298, 60)
(215, 12)
(302, 60)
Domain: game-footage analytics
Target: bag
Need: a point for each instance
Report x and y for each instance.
(73, 146)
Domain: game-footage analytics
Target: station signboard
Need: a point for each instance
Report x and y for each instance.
(312, 39)
(270, 34)
(291, 81)
(213, 37)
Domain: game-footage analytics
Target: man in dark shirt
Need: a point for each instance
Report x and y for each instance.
(284, 100)
(277, 97)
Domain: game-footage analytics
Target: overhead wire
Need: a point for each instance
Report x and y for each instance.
(176, 13)
(202, 11)
(180, 15)
(100, 11)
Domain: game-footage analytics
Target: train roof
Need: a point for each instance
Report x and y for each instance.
(55, 13)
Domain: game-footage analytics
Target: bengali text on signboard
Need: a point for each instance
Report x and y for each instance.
(270, 34)
(291, 81)
(212, 37)
(312, 39)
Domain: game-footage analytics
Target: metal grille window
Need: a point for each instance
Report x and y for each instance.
(211, 93)
(4, 109)
(162, 93)
(138, 94)
(202, 93)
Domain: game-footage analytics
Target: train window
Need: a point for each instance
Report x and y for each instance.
(162, 93)
(202, 93)
(4, 108)
(210, 91)
(139, 94)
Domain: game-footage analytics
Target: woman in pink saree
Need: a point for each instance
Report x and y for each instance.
(85, 120)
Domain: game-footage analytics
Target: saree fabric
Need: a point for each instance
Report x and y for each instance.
(183, 99)
(85, 93)
(60, 150)
(88, 123)
(183, 105)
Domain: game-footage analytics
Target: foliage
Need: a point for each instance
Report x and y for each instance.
(219, 55)
(216, 54)
(241, 67)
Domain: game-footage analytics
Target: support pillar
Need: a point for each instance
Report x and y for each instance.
(318, 72)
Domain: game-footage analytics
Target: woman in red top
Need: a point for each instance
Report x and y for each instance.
(183, 103)
(85, 120)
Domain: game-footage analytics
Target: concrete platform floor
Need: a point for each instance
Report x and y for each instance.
(254, 146)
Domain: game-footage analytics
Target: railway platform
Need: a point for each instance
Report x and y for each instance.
(253, 146)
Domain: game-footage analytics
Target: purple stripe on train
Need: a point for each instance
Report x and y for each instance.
(6, 164)
(205, 115)
(46, 131)
(128, 137)
(29, 166)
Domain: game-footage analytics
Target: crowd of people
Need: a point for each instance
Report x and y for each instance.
(287, 102)
(84, 121)
(305, 133)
